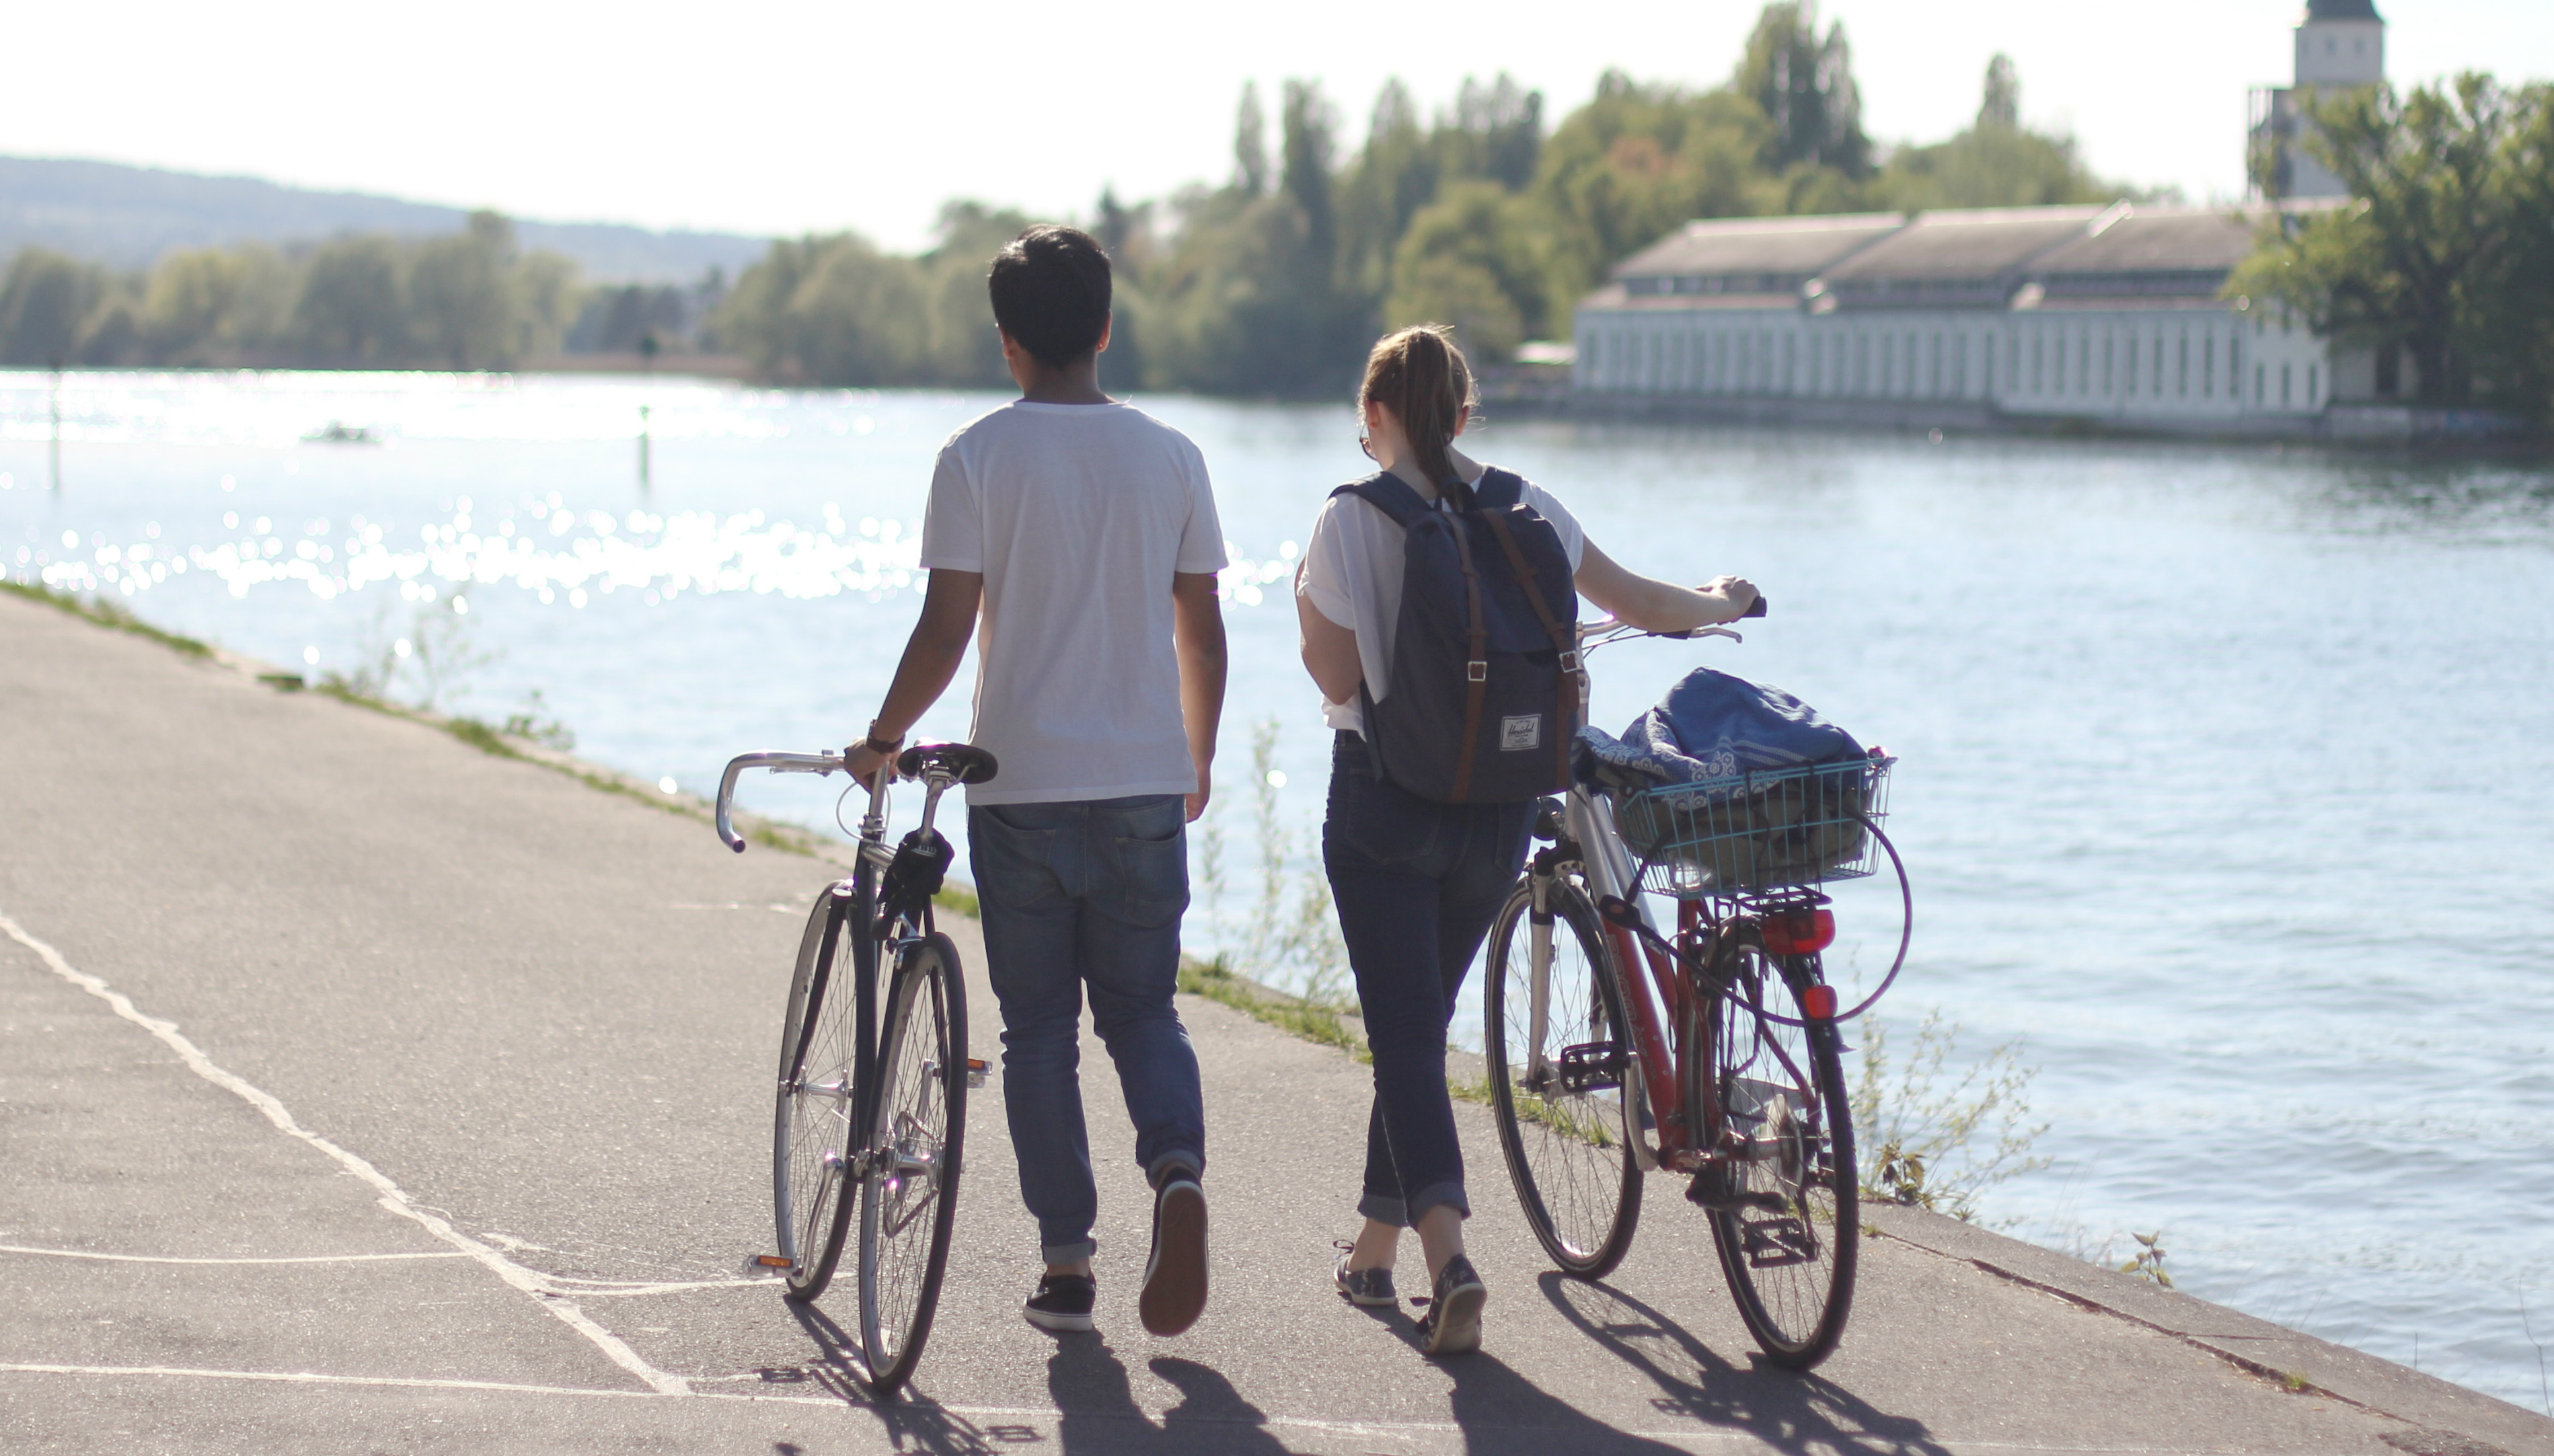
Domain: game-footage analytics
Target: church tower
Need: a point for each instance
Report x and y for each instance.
(2339, 43)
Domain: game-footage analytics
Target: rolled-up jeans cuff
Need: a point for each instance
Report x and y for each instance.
(1384, 1211)
(1449, 1195)
(1073, 1253)
(1195, 1163)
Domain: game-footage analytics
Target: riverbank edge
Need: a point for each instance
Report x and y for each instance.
(2440, 1418)
(2359, 429)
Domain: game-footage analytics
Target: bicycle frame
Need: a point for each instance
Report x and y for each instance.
(1653, 1002)
(859, 888)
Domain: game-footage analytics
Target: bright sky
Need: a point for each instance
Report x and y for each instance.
(789, 116)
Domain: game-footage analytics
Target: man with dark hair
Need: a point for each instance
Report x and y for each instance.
(1085, 531)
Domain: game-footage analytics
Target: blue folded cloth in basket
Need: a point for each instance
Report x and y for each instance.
(1710, 726)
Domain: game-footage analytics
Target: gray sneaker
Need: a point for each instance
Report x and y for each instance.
(1453, 1322)
(1370, 1288)
(1174, 1292)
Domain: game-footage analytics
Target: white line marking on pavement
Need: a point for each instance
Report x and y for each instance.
(1400, 1429)
(292, 1259)
(529, 1281)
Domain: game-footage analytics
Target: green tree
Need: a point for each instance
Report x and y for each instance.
(1803, 83)
(1473, 258)
(352, 311)
(2445, 242)
(46, 303)
(1639, 160)
(1997, 163)
(463, 312)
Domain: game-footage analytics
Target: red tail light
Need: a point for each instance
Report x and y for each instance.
(1799, 931)
(1818, 1002)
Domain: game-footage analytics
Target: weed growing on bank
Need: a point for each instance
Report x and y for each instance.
(105, 613)
(1291, 933)
(1942, 1139)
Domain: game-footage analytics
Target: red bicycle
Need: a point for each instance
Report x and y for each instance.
(1712, 1051)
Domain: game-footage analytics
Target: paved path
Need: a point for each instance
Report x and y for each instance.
(359, 1092)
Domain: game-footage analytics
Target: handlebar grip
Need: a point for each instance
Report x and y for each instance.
(1755, 608)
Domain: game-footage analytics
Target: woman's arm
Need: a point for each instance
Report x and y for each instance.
(1329, 649)
(1656, 606)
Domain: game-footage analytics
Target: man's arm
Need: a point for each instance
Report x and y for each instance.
(931, 657)
(1197, 629)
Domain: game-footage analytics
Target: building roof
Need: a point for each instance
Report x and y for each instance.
(1977, 243)
(1986, 258)
(1730, 247)
(2343, 9)
(2166, 241)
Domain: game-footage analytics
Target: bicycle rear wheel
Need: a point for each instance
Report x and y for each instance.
(909, 1196)
(811, 1133)
(1567, 1096)
(1789, 1244)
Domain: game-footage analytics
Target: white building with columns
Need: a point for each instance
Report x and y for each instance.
(2106, 316)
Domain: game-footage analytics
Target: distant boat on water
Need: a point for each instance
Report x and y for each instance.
(338, 433)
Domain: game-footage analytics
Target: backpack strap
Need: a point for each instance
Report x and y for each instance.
(1476, 668)
(1497, 488)
(1389, 494)
(1563, 639)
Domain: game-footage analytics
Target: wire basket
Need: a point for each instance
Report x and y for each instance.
(1757, 832)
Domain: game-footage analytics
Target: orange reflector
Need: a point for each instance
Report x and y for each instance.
(1799, 931)
(1819, 1003)
(781, 1261)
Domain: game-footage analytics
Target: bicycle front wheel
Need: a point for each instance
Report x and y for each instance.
(811, 1134)
(1563, 1082)
(1791, 1235)
(909, 1194)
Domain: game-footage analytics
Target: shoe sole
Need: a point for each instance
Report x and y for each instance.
(1175, 1283)
(1457, 1327)
(1374, 1301)
(1077, 1325)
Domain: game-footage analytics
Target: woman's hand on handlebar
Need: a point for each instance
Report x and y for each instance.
(1731, 598)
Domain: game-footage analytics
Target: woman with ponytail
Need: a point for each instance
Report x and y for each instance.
(1416, 881)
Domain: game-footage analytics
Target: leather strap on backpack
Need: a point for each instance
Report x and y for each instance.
(1476, 670)
(1563, 640)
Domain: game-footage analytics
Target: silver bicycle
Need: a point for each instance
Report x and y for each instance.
(871, 1113)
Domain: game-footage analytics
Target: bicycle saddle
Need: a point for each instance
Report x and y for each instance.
(964, 762)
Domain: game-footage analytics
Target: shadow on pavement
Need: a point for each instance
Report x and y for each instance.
(1786, 1409)
(1091, 1388)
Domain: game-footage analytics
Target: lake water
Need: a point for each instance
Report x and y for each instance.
(2220, 779)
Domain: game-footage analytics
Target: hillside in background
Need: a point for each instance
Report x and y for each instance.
(128, 216)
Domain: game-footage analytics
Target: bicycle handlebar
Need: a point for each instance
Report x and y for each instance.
(815, 764)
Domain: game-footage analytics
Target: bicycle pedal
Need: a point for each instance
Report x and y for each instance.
(975, 1072)
(766, 1266)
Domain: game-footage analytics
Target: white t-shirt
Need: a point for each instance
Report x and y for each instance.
(1352, 574)
(1078, 516)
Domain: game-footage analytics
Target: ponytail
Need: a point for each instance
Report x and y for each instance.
(1420, 376)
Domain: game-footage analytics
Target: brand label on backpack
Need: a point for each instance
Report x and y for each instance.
(1519, 735)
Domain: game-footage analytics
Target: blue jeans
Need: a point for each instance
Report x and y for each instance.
(1075, 894)
(1417, 884)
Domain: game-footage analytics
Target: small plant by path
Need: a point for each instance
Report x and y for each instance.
(2147, 1264)
(1945, 1136)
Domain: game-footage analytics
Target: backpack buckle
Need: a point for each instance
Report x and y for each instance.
(1570, 661)
(1476, 671)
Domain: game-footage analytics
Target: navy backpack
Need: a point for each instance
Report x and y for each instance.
(1485, 691)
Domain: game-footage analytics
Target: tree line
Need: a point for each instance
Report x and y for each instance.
(1482, 214)
(470, 299)
(2444, 256)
